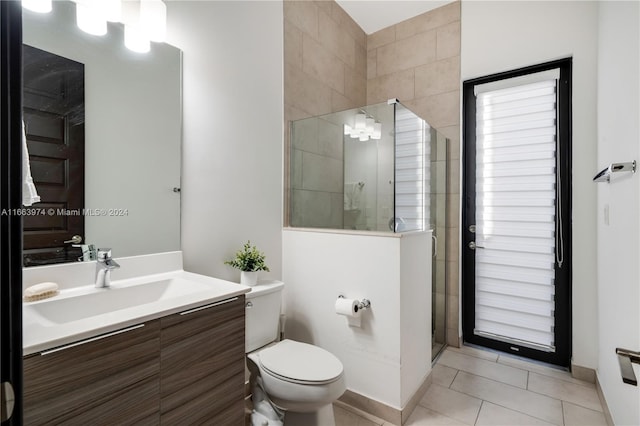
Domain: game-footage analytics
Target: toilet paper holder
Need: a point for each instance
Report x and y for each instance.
(363, 304)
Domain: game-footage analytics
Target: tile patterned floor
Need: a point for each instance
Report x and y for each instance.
(475, 387)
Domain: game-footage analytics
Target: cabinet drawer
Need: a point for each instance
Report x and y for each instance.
(202, 363)
(62, 386)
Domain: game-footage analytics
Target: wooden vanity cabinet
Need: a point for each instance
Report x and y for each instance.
(183, 369)
(112, 380)
(202, 365)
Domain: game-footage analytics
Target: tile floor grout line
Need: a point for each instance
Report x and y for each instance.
(445, 414)
(478, 415)
(573, 381)
(454, 378)
(526, 414)
(564, 400)
(502, 383)
(485, 377)
(498, 363)
(522, 412)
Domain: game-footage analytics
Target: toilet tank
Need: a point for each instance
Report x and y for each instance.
(262, 312)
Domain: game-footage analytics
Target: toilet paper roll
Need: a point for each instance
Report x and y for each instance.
(347, 307)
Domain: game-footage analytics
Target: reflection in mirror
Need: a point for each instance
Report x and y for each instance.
(132, 133)
(53, 114)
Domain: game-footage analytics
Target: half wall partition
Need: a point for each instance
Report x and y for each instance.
(378, 168)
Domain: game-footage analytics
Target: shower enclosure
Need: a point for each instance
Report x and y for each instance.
(377, 168)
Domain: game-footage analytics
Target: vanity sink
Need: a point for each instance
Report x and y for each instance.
(115, 298)
(85, 311)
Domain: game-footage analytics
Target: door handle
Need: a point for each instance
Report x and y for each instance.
(8, 401)
(472, 245)
(625, 358)
(92, 339)
(76, 239)
(202, 308)
(435, 246)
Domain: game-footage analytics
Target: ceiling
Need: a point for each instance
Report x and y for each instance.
(374, 15)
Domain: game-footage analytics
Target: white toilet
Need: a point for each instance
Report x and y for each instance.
(291, 380)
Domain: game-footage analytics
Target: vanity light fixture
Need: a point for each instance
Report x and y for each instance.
(113, 10)
(364, 128)
(153, 19)
(39, 6)
(90, 18)
(144, 20)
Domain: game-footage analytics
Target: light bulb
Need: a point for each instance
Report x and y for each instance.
(377, 131)
(153, 18)
(39, 6)
(369, 125)
(364, 137)
(112, 10)
(361, 121)
(135, 39)
(89, 19)
(347, 129)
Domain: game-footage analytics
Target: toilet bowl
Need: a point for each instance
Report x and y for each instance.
(291, 381)
(299, 377)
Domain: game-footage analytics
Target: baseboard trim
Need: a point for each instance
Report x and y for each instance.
(415, 399)
(585, 374)
(603, 401)
(371, 406)
(384, 411)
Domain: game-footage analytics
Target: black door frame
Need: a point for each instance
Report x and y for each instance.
(562, 354)
(10, 201)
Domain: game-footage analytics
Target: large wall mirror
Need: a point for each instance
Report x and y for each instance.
(108, 172)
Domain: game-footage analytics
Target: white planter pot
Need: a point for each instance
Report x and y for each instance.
(249, 278)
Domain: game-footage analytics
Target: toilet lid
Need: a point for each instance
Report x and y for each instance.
(301, 362)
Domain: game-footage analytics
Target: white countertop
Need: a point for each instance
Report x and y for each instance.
(82, 312)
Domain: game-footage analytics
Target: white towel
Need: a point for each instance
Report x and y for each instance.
(353, 196)
(349, 189)
(29, 193)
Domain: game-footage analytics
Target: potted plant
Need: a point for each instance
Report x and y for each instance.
(250, 261)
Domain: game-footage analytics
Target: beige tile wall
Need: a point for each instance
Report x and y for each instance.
(325, 71)
(418, 62)
(332, 65)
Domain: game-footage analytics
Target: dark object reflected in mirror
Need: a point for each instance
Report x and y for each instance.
(53, 113)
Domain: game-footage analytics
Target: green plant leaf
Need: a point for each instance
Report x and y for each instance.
(248, 259)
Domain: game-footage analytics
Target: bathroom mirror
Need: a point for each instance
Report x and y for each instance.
(132, 140)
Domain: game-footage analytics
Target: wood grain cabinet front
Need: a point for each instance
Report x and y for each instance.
(110, 380)
(183, 369)
(202, 365)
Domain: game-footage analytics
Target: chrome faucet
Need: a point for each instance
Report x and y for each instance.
(104, 265)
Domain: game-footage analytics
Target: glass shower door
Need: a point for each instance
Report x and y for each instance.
(438, 191)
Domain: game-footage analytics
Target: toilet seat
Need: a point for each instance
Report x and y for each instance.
(300, 363)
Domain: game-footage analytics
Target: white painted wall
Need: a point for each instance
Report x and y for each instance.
(232, 130)
(390, 355)
(415, 312)
(501, 36)
(618, 241)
